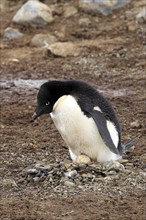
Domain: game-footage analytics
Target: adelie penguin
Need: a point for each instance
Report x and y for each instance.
(85, 119)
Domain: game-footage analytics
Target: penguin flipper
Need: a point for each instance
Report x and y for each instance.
(101, 124)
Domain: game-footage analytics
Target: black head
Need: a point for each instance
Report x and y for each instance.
(48, 94)
(44, 101)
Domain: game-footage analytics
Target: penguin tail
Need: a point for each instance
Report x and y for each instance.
(127, 146)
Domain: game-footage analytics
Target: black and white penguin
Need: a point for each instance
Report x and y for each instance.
(85, 119)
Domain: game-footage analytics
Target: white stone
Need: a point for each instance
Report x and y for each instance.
(69, 183)
(33, 13)
(71, 174)
(64, 49)
(43, 40)
(32, 171)
(11, 34)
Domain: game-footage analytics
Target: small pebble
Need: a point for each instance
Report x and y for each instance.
(112, 172)
(71, 174)
(32, 171)
(87, 175)
(69, 183)
(135, 124)
(36, 179)
(43, 167)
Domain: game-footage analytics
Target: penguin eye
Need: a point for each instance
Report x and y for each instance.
(48, 103)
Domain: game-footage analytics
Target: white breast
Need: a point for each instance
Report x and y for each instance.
(80, 132)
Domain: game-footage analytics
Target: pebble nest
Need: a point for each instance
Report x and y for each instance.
(67, 178)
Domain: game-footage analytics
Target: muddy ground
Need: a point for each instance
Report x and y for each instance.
(115, 65)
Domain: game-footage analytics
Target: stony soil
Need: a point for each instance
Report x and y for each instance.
(35, 183)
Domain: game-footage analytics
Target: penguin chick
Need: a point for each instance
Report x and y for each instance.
(84, 118)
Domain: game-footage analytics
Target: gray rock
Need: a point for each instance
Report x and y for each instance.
(43, 40)
(33, 13)
(71, 174)
(43, 167)
(141, 17)
(112, 165)
(84, 22)
(104, 7)
(12, 34)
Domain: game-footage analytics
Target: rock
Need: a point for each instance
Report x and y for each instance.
(141, 17)
(43, 40)
(33, 13)
(43, 167)
(84, 22)
(81, 166)
(112, 165)
(83, 159)
(71, 174)
(67, 164)
(103, 7)
(135, 124)
(32, 171)
(69, 183)
(70, 11)
(87, 175)
(61, 33)
(15, 60)
(12, 34)
(63, 49)
(112, 172)
(36, 179)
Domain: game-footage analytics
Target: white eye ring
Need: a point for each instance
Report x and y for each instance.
(48, 103)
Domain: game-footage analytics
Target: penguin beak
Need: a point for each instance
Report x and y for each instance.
(35, 116)
(37, 113)
(40, 111)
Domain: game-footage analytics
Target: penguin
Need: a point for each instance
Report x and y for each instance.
(85, 119)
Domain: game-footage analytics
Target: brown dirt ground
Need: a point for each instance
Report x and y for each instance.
(117, 64)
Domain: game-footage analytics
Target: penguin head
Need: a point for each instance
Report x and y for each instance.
(48, 94)
(45, 101)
